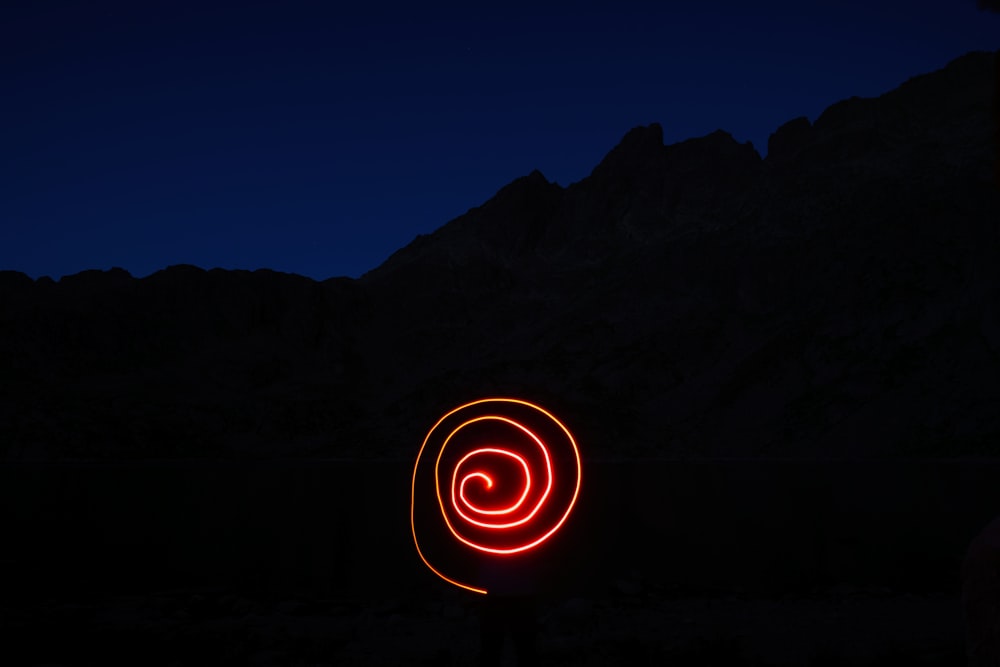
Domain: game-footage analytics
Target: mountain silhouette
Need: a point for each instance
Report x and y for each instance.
(839, 298)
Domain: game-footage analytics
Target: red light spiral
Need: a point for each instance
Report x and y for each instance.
(505, 475)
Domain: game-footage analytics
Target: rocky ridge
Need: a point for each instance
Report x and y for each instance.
(838, 298)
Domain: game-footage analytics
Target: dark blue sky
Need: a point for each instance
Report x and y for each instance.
(306, 138)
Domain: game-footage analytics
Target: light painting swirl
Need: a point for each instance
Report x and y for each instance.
(494, 478)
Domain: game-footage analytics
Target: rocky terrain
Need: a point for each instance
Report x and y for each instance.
(626, 626)
(838, 298)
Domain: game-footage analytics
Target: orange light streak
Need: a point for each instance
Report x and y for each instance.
(527, 487)
(469, 515)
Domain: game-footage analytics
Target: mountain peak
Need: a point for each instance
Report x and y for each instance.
(643, 135)
(639, 149)
(536, 177)
(639, 141)
(786, 142)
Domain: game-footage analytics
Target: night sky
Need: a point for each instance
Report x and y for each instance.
(312, 139)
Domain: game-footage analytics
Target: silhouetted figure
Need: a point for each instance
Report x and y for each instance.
(981, 597)
(509, 608)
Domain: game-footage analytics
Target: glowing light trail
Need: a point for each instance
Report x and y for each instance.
(485, 437)
(527, 485)
(489, 485)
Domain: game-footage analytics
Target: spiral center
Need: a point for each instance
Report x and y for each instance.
(486, 479)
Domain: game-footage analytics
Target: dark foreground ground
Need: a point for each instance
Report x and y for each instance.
(630, 625)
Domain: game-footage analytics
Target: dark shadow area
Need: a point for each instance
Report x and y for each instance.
(313, 563)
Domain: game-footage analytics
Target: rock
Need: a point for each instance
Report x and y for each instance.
(683, 300)
(573, 617)
(788, 140)
(630, 584)
(290, 608)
